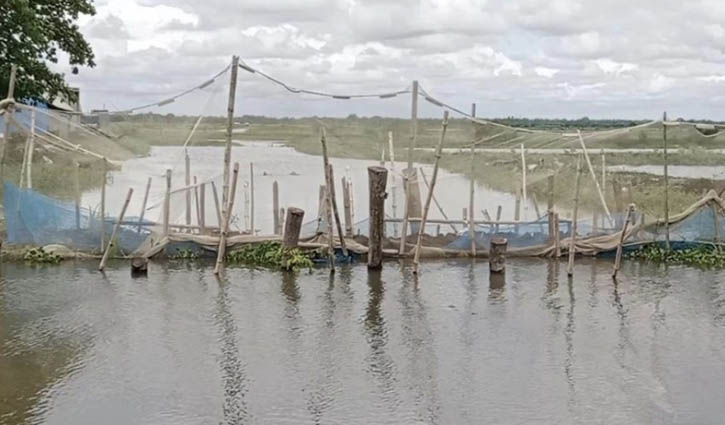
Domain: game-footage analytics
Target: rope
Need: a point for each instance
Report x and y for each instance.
(173, 98)
(292, 89)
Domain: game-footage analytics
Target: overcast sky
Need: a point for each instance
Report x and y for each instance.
(528, 58)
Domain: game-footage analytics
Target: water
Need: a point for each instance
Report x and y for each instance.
(299, 176)
(181, 347)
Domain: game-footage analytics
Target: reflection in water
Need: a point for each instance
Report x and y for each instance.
(380, 364)
(569, 341)
(496, 287)
(421, 371)
(234, 378)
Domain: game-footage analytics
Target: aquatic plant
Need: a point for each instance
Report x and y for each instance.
(704, 256)
(185, 254)
(40, 256)
(270, 254)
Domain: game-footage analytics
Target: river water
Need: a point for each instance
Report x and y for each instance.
(448, 347)
(299, 176)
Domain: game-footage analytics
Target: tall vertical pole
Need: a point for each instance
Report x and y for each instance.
(408, 172)
(31, 148)
(224, 228)
(187, 182)
(251, 197)
(471, 194)
(167, 203)
(230, 125)
(667, 183)
(391, 157)
(104, 178)
(604, 171)
(572, 241)
(77, 194)
(377, 178)
(275, 209)
(428, 199)
(523, 180)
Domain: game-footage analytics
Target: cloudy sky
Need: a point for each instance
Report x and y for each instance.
(531, 58)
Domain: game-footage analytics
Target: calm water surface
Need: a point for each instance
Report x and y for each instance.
(265, 347)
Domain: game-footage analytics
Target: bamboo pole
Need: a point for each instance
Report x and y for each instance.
(275, 208)
(332, 201)
(77, 193)
(622, 235)
(251, 198)
(26, 150)
(604, 171)
(202, 208)
(167, 202)
(428, 198)
(572, 241)
(523, 180)
(435, 201)
(330, 231)
(557, 237)
(31, 149)
(187, 182)
(498, 218)
(716, 224)
(104, 179)
(245, 191)
(408, 171)
(143, 204)
(221, 251)
(346, 207)
(196, 202)
(550, 192)
(217, 207)
(594, 176)
(667, 183)
(230, 125)
(471, 193)
(517, 210)
(107, 251)
(394, 196)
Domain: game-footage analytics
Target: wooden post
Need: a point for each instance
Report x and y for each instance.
(594, 177)
(202, 208)
(104, 179)
(667, 184)
(222, 250)
(107, 251)
(550, 225)
(167, 202)
(622, 235)
(216, 205)
(282, 219)
(332, 201)
(275, 208)
(550, 191)
(245, 190)
(139, 266)
(428, 198)
(77, 194)
(497, 255)
(408, 172)
(572, 241)
(143, 204)
(604, 171)
(251, 198)
(31, 149)
(523, 181)
(377, 181)
(230, 126)
(292, 227)
(346, 207)
(471, 192)
(187, 183)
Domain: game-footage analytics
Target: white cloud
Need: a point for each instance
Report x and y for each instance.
(609, 66)
(545, 72)
(659, 83)
(713, 79)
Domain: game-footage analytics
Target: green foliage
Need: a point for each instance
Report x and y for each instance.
(270, 254)
(40, 256)
(704, 256)
(32, 34)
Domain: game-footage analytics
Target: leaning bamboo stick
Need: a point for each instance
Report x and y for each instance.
(572, 242)
(620, 245)
(594, 176)
(221, 251)
(107, 251)
(332, 202)
(435, 201)
(143, 204)
(428, 199)
(216, 205)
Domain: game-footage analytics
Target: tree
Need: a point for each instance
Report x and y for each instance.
(32, 32)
